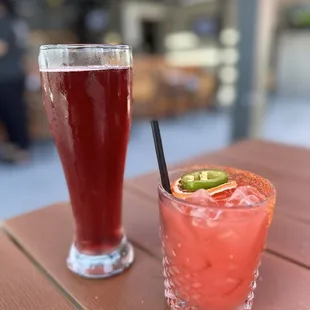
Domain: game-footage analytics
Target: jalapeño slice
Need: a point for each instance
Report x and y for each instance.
(203, 179)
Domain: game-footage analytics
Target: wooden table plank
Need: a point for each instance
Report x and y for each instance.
(141, 220)
(22, 286)
(278, 156)
(291, 198)
(290, 239)
(46, 236)
(288, 168)
(282, 286)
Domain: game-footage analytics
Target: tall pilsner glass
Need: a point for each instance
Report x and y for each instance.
(87, 97)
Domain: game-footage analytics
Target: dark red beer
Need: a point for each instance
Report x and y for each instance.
(89, 109)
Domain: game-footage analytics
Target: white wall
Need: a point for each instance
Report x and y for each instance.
(293, 67)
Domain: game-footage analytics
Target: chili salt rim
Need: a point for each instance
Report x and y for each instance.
(255, 206)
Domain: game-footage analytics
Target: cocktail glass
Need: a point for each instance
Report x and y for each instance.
(87, 94)
(212, 248)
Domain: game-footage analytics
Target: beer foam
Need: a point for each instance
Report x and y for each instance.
(84, 68)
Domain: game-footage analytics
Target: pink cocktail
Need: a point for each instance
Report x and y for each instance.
(212, 243)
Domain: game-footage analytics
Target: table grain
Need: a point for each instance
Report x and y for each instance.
(284, 282)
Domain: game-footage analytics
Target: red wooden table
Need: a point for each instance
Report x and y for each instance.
(34, 246)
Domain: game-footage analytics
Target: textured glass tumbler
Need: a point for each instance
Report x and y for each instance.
(87, 95)
(212, 254)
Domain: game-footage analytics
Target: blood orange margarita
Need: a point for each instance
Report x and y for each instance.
(214, 229)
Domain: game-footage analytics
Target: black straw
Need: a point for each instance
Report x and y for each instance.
(160, 156)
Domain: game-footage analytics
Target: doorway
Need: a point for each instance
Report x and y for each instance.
(150, 30)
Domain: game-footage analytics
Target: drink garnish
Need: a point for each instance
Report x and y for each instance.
(213, 181)
(203, 179)
(223, 187)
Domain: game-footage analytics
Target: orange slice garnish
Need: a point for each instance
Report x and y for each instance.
(222, 188)
(179, 193)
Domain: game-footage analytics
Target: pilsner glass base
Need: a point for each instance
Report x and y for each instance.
(101, 266)
(176, 303)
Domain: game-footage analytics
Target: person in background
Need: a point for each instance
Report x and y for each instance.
(13, 113)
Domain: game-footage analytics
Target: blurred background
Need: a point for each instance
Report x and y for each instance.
(212, 71)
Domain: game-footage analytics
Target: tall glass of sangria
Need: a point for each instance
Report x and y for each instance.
(87, 97)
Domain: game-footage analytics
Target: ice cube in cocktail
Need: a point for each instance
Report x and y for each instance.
(213, 234)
